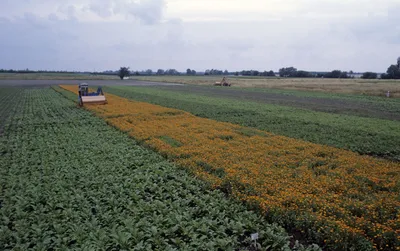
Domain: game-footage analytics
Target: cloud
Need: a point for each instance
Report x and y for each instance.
(262, 35)
(102, 8)
(148, 11)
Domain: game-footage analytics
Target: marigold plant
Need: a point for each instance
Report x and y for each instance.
(332, 195)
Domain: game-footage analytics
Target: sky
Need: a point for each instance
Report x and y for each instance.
(98, 35)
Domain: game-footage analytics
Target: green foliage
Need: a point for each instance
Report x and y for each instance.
(190, 72)
(336, 74)
(363, 135)
(369, 75)
(393, 72)
(171, 141)
(287, 72)
(123, 72)
(268, 73)
(10, 98)
(291, 72)
(69, 181)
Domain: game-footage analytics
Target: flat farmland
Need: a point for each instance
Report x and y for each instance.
(335, 197)
(360, 105)
(196, 167)
(367, 125)
(69, 181)
(349, 86)
(54, 76)
(59, 80)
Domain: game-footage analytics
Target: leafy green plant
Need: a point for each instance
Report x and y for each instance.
(70, 181)
(371, 136)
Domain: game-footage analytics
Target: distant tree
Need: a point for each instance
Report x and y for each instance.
(333, 74)
(160, 72)
(149, 72)
(123, 72)
(344, 74)
(236, 73)
(190, 72)
(226, 72)
(369, 75)
(171, 72)
(251, 73)
(336, 74)
(271, 74)
(216, 72)
(287, 72)
(213, 72)
(303, 74)
(393, 72)
(245, 73)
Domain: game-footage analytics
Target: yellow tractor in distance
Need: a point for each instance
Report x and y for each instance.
(86, 97)
(224, 82)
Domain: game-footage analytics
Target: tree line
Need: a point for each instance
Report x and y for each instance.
(393, 72)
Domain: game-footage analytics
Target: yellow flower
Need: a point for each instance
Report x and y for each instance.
(340, 188)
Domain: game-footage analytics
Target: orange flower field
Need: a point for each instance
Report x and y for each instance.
(332, 194)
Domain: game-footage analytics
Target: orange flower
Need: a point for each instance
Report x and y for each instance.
(358, 194)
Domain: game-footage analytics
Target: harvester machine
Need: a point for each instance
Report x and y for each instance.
(86, 97)
(224, 82)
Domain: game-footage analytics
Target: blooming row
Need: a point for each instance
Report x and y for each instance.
(338, 192)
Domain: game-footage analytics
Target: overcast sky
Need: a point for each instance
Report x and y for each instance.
(320, 35)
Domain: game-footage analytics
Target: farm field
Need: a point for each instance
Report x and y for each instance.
(376, 87)
(10, 98)
(48, 82)
(359, 131)
(349, 86)
(338, 198)
(70, 181)
(54, 76)
(359, 105)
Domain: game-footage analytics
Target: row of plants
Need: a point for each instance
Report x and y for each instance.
(350, 104)
(9, 99)
(335, 197)
(369, 136)
(70, 181)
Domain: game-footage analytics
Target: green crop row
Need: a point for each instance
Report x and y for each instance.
(9, 100)
(370, 136)
(367, 99)
(70, 181)
(350, 104)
